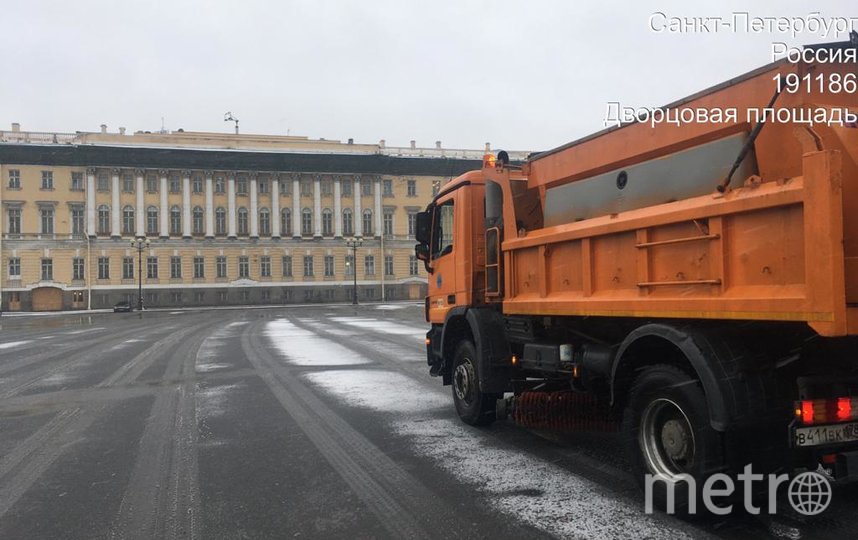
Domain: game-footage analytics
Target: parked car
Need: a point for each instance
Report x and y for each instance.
(123, 306)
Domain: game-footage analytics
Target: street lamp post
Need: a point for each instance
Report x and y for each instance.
(140, 243)
(354, 243)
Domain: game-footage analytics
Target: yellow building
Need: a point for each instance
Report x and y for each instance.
(229, 219)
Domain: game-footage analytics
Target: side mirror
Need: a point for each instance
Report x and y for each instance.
(421, 251)
(423, 232)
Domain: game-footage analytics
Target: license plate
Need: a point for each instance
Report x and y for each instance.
(830, 434)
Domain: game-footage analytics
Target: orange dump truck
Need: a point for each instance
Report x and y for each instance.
(623, 281)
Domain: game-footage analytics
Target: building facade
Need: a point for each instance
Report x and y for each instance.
(229, 219)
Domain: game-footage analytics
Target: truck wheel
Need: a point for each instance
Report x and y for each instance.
(668, 435)
(474, 407)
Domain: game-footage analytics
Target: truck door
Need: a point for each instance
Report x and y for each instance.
(443, 282)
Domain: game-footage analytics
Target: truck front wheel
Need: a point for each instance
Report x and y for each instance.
(668, 435)
(473, 406)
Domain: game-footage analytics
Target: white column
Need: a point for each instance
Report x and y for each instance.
(115, 210)
(141, 208)
(186, 204)
(275, 206)
(165, 207)
(296, 206)
(338, 210)
(357, 218)
(90, 202)
(230, 205)
(378, 217)
(317, 206)
(209, 206)
(254, 208)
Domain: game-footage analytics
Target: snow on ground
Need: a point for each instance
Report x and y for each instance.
(75, 332)
(362, 388)
(393, 307)
(11, 344)
(304, 348)
(387, 327)
(211, 402)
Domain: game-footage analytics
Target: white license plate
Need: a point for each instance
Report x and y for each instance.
(829, 434)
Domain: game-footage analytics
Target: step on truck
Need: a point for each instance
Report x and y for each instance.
(692, 284)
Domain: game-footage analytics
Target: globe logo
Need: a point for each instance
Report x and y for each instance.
(809, 493)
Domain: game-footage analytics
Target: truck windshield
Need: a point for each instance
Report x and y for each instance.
(442, 236)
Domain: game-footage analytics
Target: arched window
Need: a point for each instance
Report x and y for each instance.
(152, 220)
(286, 222)
(198, 220)
(128, 220)
(220, 221)
(348, 223)
(242, 220)
(264, 222)
(367, 222)
(327, 222)
(175, 220)
(306, 222)
(103, 219)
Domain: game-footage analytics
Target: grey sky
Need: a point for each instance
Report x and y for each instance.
(523, 75)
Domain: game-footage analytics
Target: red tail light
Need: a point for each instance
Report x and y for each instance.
(844, 409)
(827, 411)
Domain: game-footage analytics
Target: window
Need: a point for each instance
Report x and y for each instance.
(388, 265)
(175, 220)
(244, 296)
(308, 266)
(387, 222)
(242, 220)
(14, 179)
(103, 219)
(412, 265)
(348, 224)
(241, 185)
(14, 268)
(327, 222)
(47, 215)
(222, 297)
(219, 185)
(175, 184)
(47, 180)
(262, 186)
(265, 295)
(152, 184)
(365, 187)
(127, 183)
(411, 188)
(306, 222)
(175, 267)
(412, 224)
(329, 266)
(176, 297)
(350, 266)
(285, 294)
(77, 269)
(47, 269)
(102, 182)
(76, 181)
(197, 222)
(347, 188)
(14, 220)
(286, 222)
(128, 220)
(220, 221)
(199, 267)
(243, 267)
(367, 222)
(265, 266)
(285, 187)
(104, 268)
(306, 187)
(77, 220)
(152, 267)
(197, 184)
(264, 222)
(442, 237)
(326, 187)
(152, 220)
(387, 187)
(369, 265)
(127, 267)
(199, 297)
(220, 266)
(287, 266)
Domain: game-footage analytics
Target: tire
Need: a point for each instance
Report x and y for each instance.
(473, 406)
(667, 433)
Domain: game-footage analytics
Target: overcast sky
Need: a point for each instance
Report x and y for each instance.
(522, 75)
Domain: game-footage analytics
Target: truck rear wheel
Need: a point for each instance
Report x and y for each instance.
(668, 435)
(473, 406)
